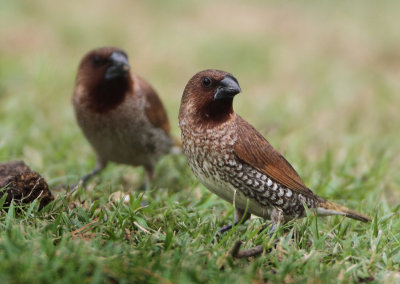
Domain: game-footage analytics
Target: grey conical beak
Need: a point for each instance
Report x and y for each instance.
(118, 65)
(227, 88)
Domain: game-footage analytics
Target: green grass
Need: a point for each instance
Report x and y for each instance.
(320, 81)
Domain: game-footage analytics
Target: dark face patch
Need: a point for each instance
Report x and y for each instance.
(98, 61)
(199, 97)
(103, 94)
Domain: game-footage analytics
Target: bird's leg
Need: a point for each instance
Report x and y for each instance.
(239, 215)
(277, 219)
(94, 172)
(148, 180)
(150, 177)
(100, 165)
(146, 184)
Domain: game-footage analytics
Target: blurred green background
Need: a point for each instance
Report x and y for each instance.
(320, 80)
(316, 76)
(312, 73)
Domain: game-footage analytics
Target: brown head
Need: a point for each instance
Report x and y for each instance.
(103, 78)
(208, 97)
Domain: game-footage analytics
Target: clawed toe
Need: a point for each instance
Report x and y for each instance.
(221, 231)
(224, 229)
(69, 187)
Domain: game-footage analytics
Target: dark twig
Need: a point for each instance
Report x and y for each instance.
(237, 253)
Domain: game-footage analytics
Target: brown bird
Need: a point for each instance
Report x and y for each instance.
(120, 114)
(233, 160)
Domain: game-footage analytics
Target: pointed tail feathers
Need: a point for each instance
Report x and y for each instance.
(326, 208)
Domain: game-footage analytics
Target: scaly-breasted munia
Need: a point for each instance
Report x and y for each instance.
(120, 114)
(233, 160)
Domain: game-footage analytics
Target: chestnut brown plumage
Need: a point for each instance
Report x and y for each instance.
(233, 160)
(120, 113)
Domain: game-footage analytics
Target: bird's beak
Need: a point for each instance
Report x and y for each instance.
(227, 88)
(118, 66)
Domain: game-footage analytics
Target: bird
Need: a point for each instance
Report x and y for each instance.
(120, 113)
(234, 161)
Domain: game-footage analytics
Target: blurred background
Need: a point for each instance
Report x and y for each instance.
(320, 79)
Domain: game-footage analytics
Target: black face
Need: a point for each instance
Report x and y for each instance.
(208, 97)
(115, 65)
(98, 61)
(104, 74)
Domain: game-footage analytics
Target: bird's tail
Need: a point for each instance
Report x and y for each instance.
(326, 208)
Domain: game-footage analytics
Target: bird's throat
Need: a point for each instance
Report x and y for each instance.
(218, 111)
(109, 94)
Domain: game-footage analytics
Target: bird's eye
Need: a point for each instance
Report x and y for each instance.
(97, 61)
(206, 81)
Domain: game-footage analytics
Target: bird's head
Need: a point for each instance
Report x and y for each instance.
(209, 96)
(104, 75)
(105, 64)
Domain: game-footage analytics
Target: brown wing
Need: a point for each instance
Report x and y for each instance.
(154, 108)
(255, 150)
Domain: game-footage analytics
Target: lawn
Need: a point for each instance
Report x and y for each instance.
(320, 80)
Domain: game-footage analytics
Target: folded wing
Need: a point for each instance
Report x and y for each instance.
(252, 148)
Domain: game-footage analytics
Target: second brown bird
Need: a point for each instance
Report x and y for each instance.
(233, 160)
(120, 113)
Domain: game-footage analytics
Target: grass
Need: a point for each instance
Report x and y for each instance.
(320, 80)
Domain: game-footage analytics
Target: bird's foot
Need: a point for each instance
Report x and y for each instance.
(241, 216)
(143, 188)
(226, 228)
(69, 187)
(273, 229)
(221, 231)
(84, 180)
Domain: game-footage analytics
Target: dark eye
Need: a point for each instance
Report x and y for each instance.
(206, 81)
(97, 61)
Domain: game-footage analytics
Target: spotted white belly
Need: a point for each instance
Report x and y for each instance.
(234, 196)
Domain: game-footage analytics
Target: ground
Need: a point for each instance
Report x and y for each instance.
(320, 80)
